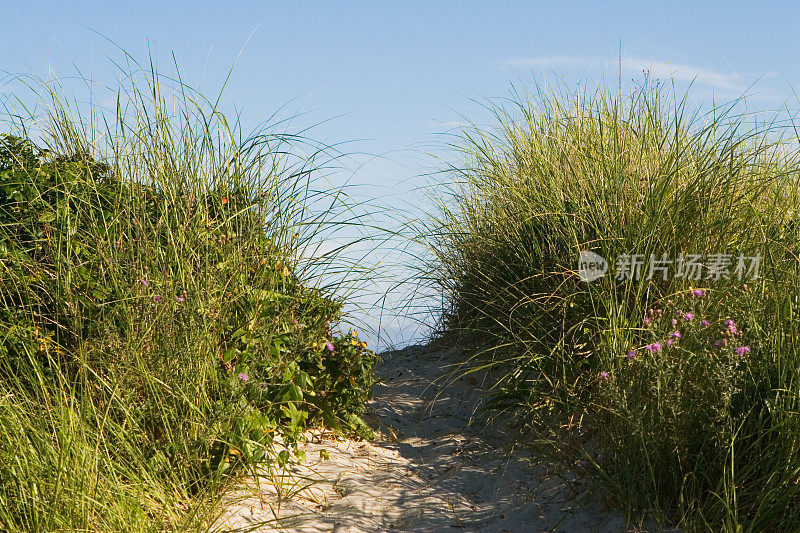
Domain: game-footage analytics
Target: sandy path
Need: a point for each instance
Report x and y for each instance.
(429, 470)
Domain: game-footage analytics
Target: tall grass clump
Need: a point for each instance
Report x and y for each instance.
(674, 392)
(160, 327)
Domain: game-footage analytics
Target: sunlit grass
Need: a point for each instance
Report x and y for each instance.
(691, 433)
(164, 325)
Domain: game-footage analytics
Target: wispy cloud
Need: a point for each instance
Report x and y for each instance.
(447, 124)
(659, 69)
(683, 72)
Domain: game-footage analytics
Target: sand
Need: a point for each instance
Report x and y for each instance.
(433, 467)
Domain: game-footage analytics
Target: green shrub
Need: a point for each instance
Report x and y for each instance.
(689, 433)
(158, 330)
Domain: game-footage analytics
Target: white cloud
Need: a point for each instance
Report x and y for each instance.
(659, 69)
(682, 72)
(447, 124)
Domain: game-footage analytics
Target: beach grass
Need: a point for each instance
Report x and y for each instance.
(172, 295)
(671, 391)
(165, 322)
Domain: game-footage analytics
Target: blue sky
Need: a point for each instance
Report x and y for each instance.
(396, 75)
(403, 71)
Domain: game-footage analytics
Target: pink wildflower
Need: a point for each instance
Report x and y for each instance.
(741, 350)
(653, 348)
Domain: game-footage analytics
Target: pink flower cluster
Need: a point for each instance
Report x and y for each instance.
(731, 329)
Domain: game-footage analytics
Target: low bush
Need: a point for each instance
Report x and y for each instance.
(159, 327)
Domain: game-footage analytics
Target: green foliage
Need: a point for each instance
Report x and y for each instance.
(692, 433)
(157, 329)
